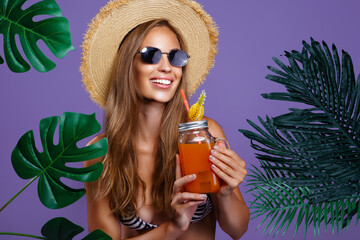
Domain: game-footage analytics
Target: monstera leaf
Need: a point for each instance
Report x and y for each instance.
(54, 32)
(62, 229)
(98, 235)
(309, 157)
(50, 165)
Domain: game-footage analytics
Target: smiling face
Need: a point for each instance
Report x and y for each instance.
(158, 82)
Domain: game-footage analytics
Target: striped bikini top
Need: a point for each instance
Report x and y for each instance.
(137, 223)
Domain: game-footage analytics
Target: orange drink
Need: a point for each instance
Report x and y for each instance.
(194, 159)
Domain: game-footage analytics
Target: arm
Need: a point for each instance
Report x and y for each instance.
(183, 205)
(230, 208)
(100, 217)
(99, 213)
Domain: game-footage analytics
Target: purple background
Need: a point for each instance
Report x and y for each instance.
(251, 33)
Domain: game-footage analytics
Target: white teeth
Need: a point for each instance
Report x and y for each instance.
(161, 81)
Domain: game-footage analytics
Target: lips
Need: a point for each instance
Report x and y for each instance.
(161, 82)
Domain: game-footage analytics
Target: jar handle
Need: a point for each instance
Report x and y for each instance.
(227, 145)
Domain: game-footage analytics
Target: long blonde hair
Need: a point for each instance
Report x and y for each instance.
(120, 180)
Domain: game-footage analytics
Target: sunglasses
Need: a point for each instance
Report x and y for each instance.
(152, 55)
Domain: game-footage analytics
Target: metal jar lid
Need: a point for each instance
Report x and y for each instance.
(192, 125)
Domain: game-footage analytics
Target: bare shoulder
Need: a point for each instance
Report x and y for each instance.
(93, 161)
(214, 128)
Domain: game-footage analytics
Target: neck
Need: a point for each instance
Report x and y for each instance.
(149, 120)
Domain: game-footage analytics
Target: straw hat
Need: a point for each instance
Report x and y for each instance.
(118, 17)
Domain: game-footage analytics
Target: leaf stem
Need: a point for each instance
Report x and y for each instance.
(32, 180)
(21, 234)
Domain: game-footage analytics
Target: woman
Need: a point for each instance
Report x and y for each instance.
(140, 194)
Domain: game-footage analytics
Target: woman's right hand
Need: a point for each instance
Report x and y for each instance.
(184, 204)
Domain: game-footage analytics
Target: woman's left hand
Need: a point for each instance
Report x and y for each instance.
(229, 167)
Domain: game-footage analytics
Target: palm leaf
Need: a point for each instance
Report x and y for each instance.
(50, 165)
(54, 32)
(278, 201)
(313, 152)
(281, 203)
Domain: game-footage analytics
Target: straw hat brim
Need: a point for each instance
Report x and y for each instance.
(118, 17)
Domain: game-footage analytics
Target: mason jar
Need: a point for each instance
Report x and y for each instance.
(195, 144)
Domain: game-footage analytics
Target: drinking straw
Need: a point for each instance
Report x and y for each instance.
(184, 100)
(187, 107)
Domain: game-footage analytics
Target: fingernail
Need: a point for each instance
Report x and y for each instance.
(203, 196)
(213, 166)
(216, 147)
(211, 158)
(193, 176)
(213, 151)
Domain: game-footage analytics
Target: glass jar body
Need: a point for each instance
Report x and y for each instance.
(194, 148)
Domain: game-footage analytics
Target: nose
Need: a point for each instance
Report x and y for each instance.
(164, 64)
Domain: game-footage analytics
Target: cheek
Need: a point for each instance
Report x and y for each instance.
(143, 70)
(136, 69)
(178, 73)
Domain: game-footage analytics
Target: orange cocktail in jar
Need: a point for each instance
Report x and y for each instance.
(194, 159)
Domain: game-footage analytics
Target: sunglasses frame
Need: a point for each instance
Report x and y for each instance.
(145, 49)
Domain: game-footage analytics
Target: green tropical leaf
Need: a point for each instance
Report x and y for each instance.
(98, 235)
(62, 229)
(282, 202)
(310, 157)
(54, 32)
(278, 200)
(50, 165)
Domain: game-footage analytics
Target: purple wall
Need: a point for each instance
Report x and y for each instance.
(251, 33)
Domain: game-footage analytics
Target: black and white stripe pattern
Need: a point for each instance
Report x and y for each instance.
(202, 210)
(137, 223)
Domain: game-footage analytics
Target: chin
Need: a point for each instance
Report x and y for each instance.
(162, 100)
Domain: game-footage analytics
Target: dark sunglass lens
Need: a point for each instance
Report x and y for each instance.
(150, 55)
(178, 58)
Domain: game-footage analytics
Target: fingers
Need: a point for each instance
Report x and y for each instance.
(183, 206)
(185, 197)
(220, 145)
(180, 207)
(184, 200)
(180, 183)
(232, 181)
(228, 166)
(229, 157)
